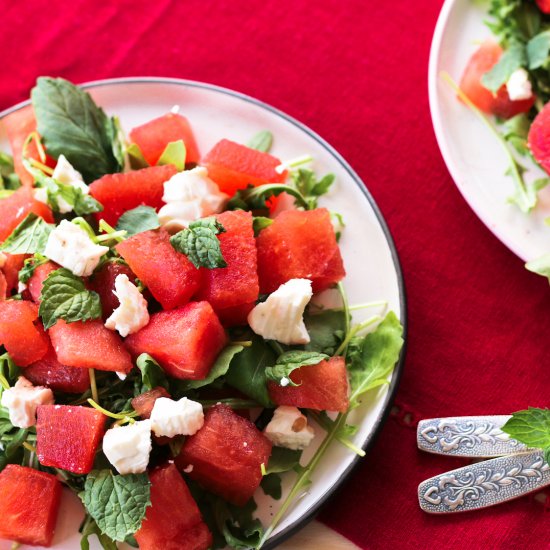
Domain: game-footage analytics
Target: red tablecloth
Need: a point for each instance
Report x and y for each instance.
(355, 72)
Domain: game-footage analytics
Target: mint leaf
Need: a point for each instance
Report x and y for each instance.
(538, 50)
(29, 265)
(254, 198)
(70, 123)
(371, 358)
(200, 243)
(262, 141)
(290, 361)
(82, 204)
(116, 503)
(65, 296)
(30, 236)
(138, 220)
(174, 153)
(152, 374)
(512, 59)
(531, 427)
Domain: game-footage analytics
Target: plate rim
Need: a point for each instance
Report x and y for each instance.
(399, 367)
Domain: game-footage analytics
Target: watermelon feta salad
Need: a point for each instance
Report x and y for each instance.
(164, 352)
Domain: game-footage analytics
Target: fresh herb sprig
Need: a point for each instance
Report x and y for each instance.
(531, 427)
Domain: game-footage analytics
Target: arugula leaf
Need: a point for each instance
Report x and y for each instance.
(512, 59)
(8, 178)
(271, 485)
(152, 374)
(526, 199)
(538, 50)
(283, 460)
(89, 527)
(30, 236)
(259, 223)
(541, 266)
(326, 330)
(29, 266)
(70, 123)
(220, 368)
(262, 141)
(174, 153)
(247, 371)
(290, 361)
(307, 184)
(371, 358)
(82, 204)
(515, 132)
(65, 296)
(531, 427)
(254, 198)
(116, 503)
(200, 243)
(138, 220)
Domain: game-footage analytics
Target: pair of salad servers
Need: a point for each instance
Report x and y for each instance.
(512, 470)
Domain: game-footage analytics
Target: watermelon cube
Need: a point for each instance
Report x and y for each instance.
(120, 192)
(322, 387)
(226, 454)
(67, 437)
(12, 266)
(89, 345)
(539, 138)
(143, 404)
(15, 207)
(236, 284)
(184, 341)
(49, 372)
(153, 137)
(21, 333)
(3, 287)
(29, 505)
(299, 245)
(171, 278)
(37, 279)
(235, 316)
(233, 166)
(173, 521)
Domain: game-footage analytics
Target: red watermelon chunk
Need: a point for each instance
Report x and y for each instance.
(226, 455)
(173, 521)
(299, 245)
(539, 138)
(120, 192)
(14, 209)
(233, 166)
(12, 266)
(153, 137)
(20, 332)
(143, 404)
(544, 5)
(29, 505)
(236, 284)
(89, 345)
(322, 387)
(3, 287)
(185, 341)
(67, 437)
(169, 275)
(235, 315)
(38, 277)
(49, 372)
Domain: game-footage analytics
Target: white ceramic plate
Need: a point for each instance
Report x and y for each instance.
(369, 254)
(473, 156)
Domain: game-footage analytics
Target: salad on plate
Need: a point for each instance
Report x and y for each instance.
(174, 329)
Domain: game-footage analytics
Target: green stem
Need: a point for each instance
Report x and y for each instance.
(83, 224)
(343, 440)
(345, 304)
(378, 303)
(117, 236)
(354, 330)
(93, 385)
(124, 415)
(243, 343)
(4, 382)
(276, 347)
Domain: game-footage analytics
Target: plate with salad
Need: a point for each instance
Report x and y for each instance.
(489, 87)
(202, 318)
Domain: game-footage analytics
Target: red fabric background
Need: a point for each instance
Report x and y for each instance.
(355, 72)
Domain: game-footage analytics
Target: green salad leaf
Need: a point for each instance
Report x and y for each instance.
(71, 124)
(89, 527)
(259, 223)
(310, 187)
(538, 50)
(30, 236)
(82, 204)
(152, 374)
(138, 220)
(116, 503)
(283, 460)
(174, 153)
(65, 296)
(531, 427)
(262, 141)
(326, 330)
(135, 157)
(29, 266)
(512, 59)
(9, 180)
(272, 486)
(199, 242)
(289, 362)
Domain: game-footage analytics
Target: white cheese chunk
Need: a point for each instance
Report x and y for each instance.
(171, 418)
(131, 315)
(518, 85)
(280, 317)
(289, 428)
(22, 401)
(190, 195)
(71, 247)
(128, 447)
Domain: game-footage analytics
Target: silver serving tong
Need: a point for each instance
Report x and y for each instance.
(517, 471)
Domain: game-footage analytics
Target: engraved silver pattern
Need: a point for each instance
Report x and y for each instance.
(469, 436)
(484, 483)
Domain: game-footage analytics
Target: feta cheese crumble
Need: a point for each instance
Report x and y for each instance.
(71, 247)
(128, 447)
(189, 195)
(131, 315)
(171, 418)
(518, 85)
(289, 428)
(22, 401)
(280, 317)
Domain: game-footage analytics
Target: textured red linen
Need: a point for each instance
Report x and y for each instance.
(355, 72)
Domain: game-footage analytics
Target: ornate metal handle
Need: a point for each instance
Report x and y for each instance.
(469, 436)
(484, 483)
